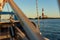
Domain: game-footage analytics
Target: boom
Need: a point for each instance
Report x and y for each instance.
(32, 32)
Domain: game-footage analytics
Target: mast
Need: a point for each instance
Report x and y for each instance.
(2, 3)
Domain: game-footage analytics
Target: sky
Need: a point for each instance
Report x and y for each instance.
(29, 7)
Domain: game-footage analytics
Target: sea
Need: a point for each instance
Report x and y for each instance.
(49, 28)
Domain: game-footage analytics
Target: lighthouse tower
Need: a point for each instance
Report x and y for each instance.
(42, 12)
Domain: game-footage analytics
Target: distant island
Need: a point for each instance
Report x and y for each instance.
(45, 18)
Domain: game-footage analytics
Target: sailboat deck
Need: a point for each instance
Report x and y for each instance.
(5, 36)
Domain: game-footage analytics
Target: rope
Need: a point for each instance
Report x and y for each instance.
(8, 11)
(37, 14)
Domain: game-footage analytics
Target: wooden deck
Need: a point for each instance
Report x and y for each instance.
(4, 31)
(6, 35)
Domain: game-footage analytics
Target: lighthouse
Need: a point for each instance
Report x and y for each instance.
(42, 12)
(43, 15)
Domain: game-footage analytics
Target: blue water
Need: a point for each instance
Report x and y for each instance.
(50, 28)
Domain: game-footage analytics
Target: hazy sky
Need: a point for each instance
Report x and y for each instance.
(29, 7)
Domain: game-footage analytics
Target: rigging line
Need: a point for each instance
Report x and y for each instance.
(8, 7)
(59, 5)
(37, 13)
(8, 11)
